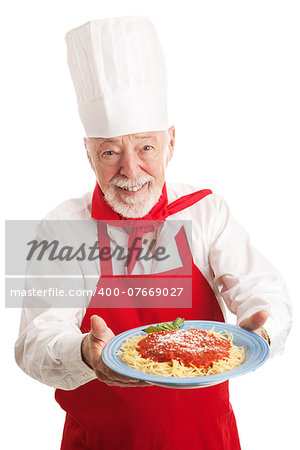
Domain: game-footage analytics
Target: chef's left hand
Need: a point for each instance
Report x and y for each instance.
(255, 322)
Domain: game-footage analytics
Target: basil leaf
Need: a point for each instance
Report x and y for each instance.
(152, 329)
(178, 322)
(165, 326)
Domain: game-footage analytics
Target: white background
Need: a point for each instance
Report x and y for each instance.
(234, 74)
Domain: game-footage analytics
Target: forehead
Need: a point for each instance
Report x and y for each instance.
(157, 136)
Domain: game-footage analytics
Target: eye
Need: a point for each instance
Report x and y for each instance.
(147, 148)
(109, 154)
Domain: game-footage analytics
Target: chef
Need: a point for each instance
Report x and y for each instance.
(118, 71)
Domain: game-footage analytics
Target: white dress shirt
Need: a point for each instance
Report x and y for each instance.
(49, 344)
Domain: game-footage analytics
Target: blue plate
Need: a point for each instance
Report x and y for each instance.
(256, 353)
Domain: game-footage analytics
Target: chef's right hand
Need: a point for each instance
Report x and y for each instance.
(91, 349)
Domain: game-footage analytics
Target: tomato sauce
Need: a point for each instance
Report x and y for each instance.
(192, 346)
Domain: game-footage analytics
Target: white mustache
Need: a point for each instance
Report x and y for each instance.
(129, 184)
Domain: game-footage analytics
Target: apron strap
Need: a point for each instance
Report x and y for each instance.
(106, 260)
(104, 241)
(183, 247)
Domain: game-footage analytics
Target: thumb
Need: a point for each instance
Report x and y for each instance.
(99, 330)
(255, 321)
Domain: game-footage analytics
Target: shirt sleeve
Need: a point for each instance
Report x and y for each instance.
(247, 282)
(49, 347)
(49, 344)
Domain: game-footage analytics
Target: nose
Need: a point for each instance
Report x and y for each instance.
(130, 164)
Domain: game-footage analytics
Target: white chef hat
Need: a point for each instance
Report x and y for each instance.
(118, 70)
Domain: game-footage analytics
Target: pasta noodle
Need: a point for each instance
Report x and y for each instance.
(130, 354)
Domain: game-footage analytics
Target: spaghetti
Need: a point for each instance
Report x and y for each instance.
(182, 353)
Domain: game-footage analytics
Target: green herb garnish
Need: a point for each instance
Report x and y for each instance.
(165, 326)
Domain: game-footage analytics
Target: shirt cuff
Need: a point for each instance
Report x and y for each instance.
(277, 334)
(72, 359)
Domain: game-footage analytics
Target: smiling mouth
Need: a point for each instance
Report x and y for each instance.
(133, 189)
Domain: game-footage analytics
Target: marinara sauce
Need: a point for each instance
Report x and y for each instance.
(192, 346)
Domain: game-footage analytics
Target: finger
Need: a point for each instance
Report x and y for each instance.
(104, 372)
(99, 330)
(113, 379)
(120, 383)
(114, 375)
(256, 321)
(98, 327)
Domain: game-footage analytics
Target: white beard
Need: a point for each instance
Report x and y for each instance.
(132, 207)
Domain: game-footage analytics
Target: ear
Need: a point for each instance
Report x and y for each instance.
(171, 145)
(85, 140)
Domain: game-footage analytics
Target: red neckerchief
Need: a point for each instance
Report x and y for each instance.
(102, 211)
(160, 211)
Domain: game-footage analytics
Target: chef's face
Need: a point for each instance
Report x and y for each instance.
(130, 169)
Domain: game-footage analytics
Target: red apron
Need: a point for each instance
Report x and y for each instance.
(102, 417)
